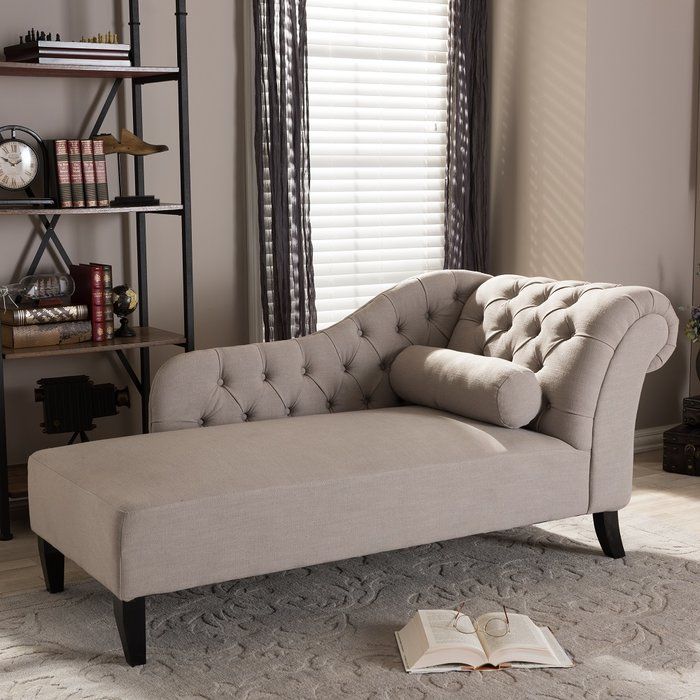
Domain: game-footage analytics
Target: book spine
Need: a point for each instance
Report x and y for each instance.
(19, 337)
(76, 173)
(97, 292)
(98, 148)
(108, 302)
(88, 163)
(65, 193)
(40, 316)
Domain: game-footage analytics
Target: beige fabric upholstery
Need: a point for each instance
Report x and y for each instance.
(344, 368)
(162, 512)
(483, 388)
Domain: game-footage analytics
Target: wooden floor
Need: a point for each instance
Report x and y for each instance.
(668, 498)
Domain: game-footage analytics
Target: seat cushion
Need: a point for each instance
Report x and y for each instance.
(162, 512)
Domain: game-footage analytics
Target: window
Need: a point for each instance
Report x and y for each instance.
(377, 130)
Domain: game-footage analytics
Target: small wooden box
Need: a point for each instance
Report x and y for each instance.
(682, 450)
(691, 411)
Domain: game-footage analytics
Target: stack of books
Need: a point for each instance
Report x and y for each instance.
(81, 173)
(89, 316)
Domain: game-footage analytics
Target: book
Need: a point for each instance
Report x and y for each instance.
(107, 316)
(429, 643)
(65, 194)
(18, 337)
(88, 165)
(39, 316)
(69, 53)
(93, 287)
(98, 149)
(76, 173)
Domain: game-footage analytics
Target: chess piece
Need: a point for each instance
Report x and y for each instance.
(129, 143)
(42, 36)
(21, 39)
(33, 35)
(58, 37)
(48, 37)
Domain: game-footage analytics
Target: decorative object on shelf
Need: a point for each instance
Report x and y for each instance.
(40, 47)
(692, 333)
(125, 301)
(22, 161)
(132, 145)
(93, 287)
(72, 403)
(46, 335)
(37, 290)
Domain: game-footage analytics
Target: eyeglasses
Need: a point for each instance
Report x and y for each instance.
(494, 627)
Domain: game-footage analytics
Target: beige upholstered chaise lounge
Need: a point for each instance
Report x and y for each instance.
(226, 486)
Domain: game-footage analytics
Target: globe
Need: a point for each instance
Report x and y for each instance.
(125, 300)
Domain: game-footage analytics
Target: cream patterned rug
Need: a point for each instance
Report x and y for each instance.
(632, 626)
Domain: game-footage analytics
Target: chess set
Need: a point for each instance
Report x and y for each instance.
(44, 48)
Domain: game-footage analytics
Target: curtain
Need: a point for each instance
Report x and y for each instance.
(467, 175)
(282, 164)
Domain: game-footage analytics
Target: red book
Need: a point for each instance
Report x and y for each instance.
(88, 163)
(98, 149)
(90, 290)
(65, 194)
(76, 173)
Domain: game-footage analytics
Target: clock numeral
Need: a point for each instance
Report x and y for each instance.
(14, 148)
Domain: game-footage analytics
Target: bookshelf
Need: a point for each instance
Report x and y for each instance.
(13, 478)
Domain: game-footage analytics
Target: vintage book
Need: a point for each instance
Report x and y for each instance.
(65, 194)
(18, 337)
(88, 164)
(69, 53)
(38, 316)
(107, 315)
(429, 643)
(76, 173)
(90, 290)
(98, 148)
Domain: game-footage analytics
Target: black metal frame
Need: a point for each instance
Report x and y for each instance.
(49, 237)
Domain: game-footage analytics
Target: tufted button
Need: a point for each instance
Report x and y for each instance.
(220, 381)
(382, 366)
(359, 332)
(303, 370)
(244, 417)
(346, 368)
(329, 405)
(200, 421)
(287, 411)
(397, 328)
(263, 376)
(365, 400)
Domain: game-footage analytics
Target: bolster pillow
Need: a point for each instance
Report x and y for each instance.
(488, 389)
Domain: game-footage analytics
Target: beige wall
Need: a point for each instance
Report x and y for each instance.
(57, 108)
(594, 152)
(538, 124)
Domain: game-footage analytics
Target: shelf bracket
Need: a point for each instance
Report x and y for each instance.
(130, 371)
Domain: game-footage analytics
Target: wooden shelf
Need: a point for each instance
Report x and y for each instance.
(17, 480)
(144, 338)
(70, 211)
(41, 70)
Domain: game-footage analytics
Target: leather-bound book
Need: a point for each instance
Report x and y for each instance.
(65, 193)
(100, 173)
(90, 290)
(88, 163)
(76, 173)
(18, 337)
(40, 316)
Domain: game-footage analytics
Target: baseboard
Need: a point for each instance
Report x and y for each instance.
(647, 439)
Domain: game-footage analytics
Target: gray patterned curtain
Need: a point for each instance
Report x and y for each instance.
(282, 161)
(467, 178)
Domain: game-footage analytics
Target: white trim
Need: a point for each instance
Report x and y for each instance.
(647, 439)
(255, 323)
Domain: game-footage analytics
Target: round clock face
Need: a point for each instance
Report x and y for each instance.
(18, 165)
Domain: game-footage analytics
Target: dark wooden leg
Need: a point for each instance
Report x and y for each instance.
(607, 528)
(53, 565)
(131, 623)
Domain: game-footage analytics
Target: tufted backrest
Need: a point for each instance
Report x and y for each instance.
(342, 368)
(566, 332)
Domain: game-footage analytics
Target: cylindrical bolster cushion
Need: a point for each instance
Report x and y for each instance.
(488, 389)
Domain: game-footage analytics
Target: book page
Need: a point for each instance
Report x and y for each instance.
(440, 630)
(523, 642)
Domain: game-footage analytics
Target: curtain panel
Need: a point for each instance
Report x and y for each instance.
(467, 176)
(282, 165)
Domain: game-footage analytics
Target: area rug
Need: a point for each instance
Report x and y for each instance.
(632, 626)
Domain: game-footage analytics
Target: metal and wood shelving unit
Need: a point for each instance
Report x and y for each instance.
(13, 481)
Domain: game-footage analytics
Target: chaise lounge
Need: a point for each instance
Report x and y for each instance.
(243, 491)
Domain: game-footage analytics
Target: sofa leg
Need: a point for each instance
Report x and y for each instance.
(607, 527)
(131, 623)
(52, 565)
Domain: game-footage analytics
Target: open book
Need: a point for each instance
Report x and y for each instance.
(429, 643)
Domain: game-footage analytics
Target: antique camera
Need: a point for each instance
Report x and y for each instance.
(72, 403)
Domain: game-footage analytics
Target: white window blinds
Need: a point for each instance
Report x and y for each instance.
(377, 131)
